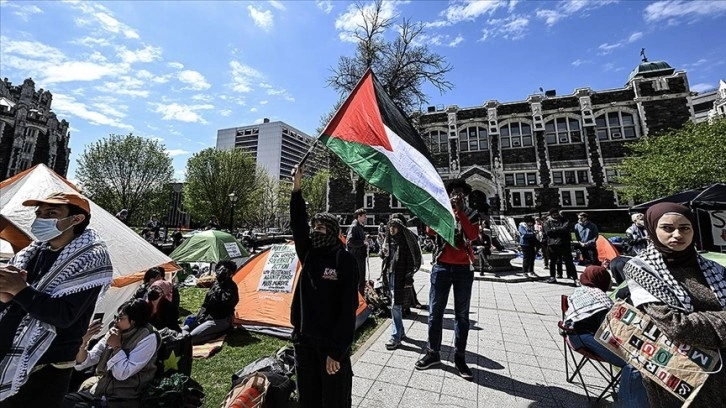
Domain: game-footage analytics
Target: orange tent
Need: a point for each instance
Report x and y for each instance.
(266, 285)
(606, 251)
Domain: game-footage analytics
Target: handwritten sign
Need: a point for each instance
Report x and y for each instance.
(232, 249)
(278, 274)
(679, 368)
(718, 227)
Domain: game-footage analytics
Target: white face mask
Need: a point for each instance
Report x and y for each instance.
(46, 229)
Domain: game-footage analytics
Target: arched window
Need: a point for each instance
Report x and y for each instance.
(563, 130)
(438, 141)
(615, 126)
(473, 138)
(516, 134)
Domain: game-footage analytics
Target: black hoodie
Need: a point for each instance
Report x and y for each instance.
(324, 305)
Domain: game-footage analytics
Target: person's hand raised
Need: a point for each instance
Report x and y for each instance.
(297, 173)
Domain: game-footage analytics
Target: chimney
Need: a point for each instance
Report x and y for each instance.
(266, 120)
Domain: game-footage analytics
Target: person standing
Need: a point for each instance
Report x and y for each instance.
(48, 293)
(324, 305)
(452, 266)
(557, 229)
(528, 242)
(587, 233)
(636, 236)
(154, 227)
(401, 259)
(539, 230)
(358, 247)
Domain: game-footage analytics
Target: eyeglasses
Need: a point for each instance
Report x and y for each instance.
(119, 317)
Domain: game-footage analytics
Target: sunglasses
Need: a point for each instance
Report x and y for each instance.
(118, 317)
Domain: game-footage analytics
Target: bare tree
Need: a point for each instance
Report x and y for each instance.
(403, 65)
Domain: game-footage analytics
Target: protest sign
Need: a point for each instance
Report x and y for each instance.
(278, 274)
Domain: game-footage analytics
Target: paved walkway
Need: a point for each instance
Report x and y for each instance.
(514, 349)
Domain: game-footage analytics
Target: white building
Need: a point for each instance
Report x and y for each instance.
(277, 147)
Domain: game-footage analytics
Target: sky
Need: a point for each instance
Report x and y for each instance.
(179, 71)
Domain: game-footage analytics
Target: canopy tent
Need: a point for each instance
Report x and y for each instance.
(131, 255)
(704, 202)
(266, 286)
(209, 246)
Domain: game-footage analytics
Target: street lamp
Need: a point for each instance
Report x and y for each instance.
(232, 200)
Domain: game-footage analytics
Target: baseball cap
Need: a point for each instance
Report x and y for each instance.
(62, 199)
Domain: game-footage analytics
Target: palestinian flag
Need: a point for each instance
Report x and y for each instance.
(374, 138)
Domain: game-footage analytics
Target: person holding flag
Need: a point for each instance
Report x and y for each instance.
(452, 267)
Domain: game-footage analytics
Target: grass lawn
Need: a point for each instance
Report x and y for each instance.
(240, 348)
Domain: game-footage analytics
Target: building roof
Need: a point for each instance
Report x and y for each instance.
(648, 69)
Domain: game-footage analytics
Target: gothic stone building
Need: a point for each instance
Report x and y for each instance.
(546, 151)
(29, 132)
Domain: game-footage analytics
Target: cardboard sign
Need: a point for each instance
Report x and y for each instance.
(232, 249)
(679, 368)
(718, 227)
(278, 274)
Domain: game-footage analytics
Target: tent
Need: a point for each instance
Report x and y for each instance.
(703, 202)
(209, 246)
(266, 284)
(606, 251)
(131, 255)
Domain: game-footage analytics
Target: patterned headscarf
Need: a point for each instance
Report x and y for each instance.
(671, 257)
(330, 238)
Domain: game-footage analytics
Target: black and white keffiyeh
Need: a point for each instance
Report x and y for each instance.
(584, 302)
(650, 272)
(82, 264)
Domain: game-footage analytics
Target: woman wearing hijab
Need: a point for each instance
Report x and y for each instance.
(401, 259)
(217, 312)
(588, 306)
(163, 312)
(683, 293)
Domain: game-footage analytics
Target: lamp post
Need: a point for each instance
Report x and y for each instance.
(232, 200)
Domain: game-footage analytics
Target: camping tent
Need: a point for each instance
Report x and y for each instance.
(130, 254)
(606, 251)
(266, 284)
(709, 206)
(209, 246)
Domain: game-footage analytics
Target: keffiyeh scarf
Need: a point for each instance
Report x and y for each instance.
(82, 264)
(584, 302)
(650, 272)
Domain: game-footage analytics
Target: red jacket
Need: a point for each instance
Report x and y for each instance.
(463, 254)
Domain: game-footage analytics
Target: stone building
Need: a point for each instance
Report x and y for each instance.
(29, 132)
(546, 151)
(710, 105)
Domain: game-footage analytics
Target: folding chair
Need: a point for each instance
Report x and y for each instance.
(582, 356)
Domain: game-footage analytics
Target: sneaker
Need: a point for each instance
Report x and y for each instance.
(462, 368)
(551, 280)
(392, 344)
(576, 283)
(430, 359)
(559, 275)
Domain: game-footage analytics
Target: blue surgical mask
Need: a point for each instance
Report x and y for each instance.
(46, 229)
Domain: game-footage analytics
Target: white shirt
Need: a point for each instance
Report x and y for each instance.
(120, 365)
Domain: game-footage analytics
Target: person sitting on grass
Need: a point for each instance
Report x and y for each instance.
(588, 306)
(152, 275)
(124, 359)
(401, 259)
(163, 312)
(216, 315)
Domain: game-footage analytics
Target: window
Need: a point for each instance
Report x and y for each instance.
(573, 198)
(615, 126)
(520, 179)
(563, 130)
(473, 138)
(438, 141)
(515, 134)
(370, 220)
(395, 203)
(368, 200)
(522, 198)
(619, 201)
(611, 175)
(570, 177)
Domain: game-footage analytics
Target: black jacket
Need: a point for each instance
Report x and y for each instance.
(558, 231)
(324, 305)
(220, 301)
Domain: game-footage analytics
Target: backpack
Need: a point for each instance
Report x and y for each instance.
(175, 353)
(175, 391)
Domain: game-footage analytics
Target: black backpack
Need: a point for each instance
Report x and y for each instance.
(175, 353)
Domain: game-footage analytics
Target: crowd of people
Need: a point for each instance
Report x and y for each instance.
(49, 335)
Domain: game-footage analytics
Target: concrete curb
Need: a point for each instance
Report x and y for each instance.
(371, 340)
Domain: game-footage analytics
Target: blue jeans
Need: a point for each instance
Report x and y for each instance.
(632, 392)
(443, 277)
(397, 331)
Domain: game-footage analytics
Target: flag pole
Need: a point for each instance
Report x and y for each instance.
(312, 147)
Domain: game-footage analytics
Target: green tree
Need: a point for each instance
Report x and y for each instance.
(211, 176)
(316, 191)
(269, 205)
(680, 159)
(126, 171)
